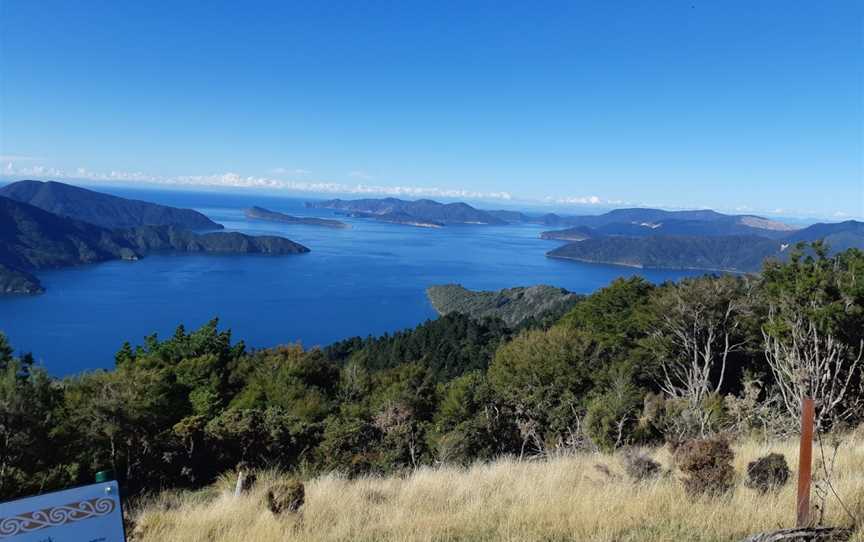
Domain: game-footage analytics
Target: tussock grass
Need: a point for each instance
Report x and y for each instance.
(564, 498)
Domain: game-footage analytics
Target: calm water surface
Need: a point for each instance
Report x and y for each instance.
(370, 279)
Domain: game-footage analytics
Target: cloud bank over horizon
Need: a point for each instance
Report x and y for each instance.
(236, 180)
(230, 180)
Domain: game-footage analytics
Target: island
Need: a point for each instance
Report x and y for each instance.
(260, 213)
(32, 239)
(424, 212)
(515, 306)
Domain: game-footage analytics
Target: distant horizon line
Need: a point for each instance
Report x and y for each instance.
(562, 205)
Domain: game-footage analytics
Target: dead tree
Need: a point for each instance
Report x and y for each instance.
(808, 362)
(699, 329)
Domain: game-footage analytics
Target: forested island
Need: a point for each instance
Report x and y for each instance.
(422, 212)
(259, 213)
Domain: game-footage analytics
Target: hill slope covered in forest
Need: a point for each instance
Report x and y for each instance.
(737, 253)
(103, 209)
(512, 305)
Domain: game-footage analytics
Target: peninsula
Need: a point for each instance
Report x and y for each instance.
(32, 239)
(103, 209)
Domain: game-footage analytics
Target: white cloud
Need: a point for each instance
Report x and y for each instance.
(236, 180)
(581, 200)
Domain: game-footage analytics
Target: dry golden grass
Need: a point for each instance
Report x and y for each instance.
(565, 498)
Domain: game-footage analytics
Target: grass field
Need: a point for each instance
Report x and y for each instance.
(565, 498)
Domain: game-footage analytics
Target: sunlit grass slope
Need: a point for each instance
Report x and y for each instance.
(564, 498)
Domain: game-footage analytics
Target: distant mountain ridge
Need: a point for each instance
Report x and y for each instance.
(103, 209)
(32, 239)
(640, 222)
(839, 236)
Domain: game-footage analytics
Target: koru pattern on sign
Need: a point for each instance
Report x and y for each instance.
(55, 516)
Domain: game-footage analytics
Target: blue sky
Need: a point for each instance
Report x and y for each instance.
(752, 105)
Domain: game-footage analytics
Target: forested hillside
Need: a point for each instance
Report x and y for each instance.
(634, 363)
(742, 245)
(103, 209)
(515, 306)
(727, 253)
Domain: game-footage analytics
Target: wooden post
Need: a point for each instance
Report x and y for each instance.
(805, 462)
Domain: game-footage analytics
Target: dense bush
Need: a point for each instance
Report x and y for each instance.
(707, 466)
(285, 496)
(471, 423)
(768, 473)
(544, 377)
(612, 417)
(639, 467)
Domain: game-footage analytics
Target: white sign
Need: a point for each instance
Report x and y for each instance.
(84, 514)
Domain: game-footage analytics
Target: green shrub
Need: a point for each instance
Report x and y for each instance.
(543, 376)
(612, 418)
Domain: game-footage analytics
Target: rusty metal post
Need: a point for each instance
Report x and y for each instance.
(805, 462)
